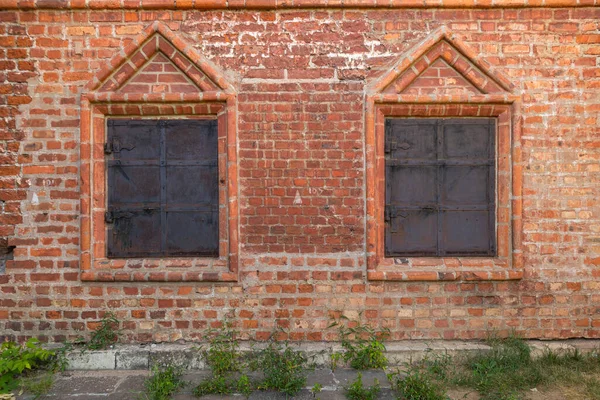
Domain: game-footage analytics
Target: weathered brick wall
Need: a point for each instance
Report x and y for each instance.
(300, 77)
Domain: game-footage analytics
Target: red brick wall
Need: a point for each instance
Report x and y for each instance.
(301, 77)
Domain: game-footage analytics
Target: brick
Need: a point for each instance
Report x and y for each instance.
(81, 30)
(515, 48)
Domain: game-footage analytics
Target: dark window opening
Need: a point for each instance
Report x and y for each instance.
(440, 187)
(162, 188)
(6, 254)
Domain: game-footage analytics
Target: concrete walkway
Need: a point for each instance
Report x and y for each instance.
(129, 385)
(119, 373)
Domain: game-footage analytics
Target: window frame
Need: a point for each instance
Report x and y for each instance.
(95, 266)
(507, 263)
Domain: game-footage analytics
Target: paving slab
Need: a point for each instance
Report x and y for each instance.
(114, 379)
(83, 385)
(304, 394)
(387, 394)
(196, 377)
(133, 383)
(129, 385)
(325, 378)
(187, 356)
(209, 397)
(189, 396)
(330, 395)
(116, 396)
(344, 377)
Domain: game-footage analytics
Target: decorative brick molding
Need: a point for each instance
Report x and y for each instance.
(143, 47)
(484, 95)
(444, 45)
(281, 4)
(158, 74)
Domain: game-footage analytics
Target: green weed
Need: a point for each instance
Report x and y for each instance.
(222, 355)
(282, 366)
(357, 391)
(317, 387)
(164, 382)
(502, 372)
(223, 358)
(15, 359)
(244, 386)
(218, 384)
(37, 385)
(506, 372)
(417, 384)
(60, 362)
(363, 345)
(436, 364)
(335, 358)
(571, 368)
(106, 334)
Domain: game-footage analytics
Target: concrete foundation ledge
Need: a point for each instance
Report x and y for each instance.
(142, 357)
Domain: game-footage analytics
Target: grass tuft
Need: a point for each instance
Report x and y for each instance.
(503, 372)
(106, 334)
(417, 384)
(357, 391)
(37, 385)
(163, 383)
(218, 384)
(283, 367)
(363, 345)
(506, 372)
(222, 355)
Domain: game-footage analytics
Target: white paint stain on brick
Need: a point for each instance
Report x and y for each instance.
(297, 199)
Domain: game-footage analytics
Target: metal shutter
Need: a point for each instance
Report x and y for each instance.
(440, 187)
(162, 186)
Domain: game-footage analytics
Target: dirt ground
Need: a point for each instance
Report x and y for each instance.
(557, 393)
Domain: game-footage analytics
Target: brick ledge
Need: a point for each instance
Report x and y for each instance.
(162, 276)
(282, 4)
(444, 276)
(143, 356)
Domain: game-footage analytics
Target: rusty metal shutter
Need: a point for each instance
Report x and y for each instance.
(162, 188)
(440, 187)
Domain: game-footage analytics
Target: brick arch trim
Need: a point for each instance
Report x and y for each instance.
(442, 44)
(158, 37)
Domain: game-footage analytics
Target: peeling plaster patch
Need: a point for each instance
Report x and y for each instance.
(35, 200)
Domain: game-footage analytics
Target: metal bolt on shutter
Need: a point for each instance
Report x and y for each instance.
(440, 187)
(163, 196)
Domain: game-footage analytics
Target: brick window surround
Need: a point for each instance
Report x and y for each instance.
(485, 95)
(214, 98)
